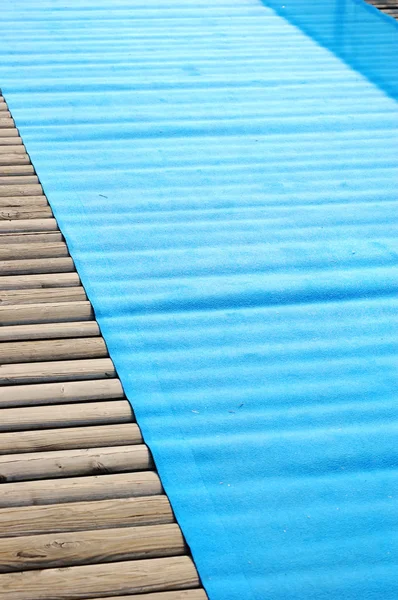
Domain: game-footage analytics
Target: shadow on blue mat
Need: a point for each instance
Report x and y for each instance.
(347, 28)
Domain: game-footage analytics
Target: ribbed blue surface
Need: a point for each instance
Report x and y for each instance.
(228, 188)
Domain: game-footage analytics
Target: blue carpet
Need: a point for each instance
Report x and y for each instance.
(225, 174)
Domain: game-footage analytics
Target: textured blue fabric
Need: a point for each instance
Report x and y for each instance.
(226, 180)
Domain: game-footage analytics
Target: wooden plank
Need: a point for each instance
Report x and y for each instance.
(61, 393)
(36, 250)
(9, 213)
(60, 415)
(25, 225)
(52, 350)
(12, 140)
(30, 237)
(6, 170)
(20, 314)
(5, 149)
(64, 370)
(42, 281)
(78, 516)
(18, 181)
(6, 122)
(14, 159)
(72, 463)
(69, 438)
(90, 547)
(197, 594)
(8, 133)
(35, 296)
(90, 581)
(27, 189)
(77, 489)
(36, 265)
(50, 331)
(25, 201)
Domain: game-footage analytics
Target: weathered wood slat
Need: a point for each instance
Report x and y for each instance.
(18, 180)
(47, 417)
(25, 225)
(65, 370)
(78, 516)
(48, 332)
(28, 202)
(36, 250)
(9, 213)
(13, 158)
(89, 581)
(77, 489)
(29, 188)
(61, 393)
(72, 463)
(194, 594)
(8, 133)
(16, 170)
(30, 237)
(16, 149)
(6, 121)
(69, 438)
(88, 547)
(48, 350)
(12, 140)
(46, 281)
(45, 313)
(36, 265)
(35, 296)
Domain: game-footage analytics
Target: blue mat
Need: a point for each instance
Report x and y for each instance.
(225, 174)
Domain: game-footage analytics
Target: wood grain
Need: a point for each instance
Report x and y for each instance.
(60, 415)
(8, 169)
(72, 463)
(52, 350)
(26, 189)
(78, 516)
(44, 281)
(6, 121)
(49, 331)
(67, 438)
(37, 265)
(194, 594)
(89, 581)
(25, 225)
(45, 313)
(88, 547)
(65, 370)
(61, 393)
(19, 149)
(23, 201)
(30, 237)
(78, 489)
(9, 213)
(12, 140)
(14, 159)
(42, 296)
(37, 250)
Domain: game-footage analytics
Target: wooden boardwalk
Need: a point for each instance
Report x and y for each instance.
(389, 7)
(82, 510)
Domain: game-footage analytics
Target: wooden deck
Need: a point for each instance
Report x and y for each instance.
(389, 7)
(82, 510)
